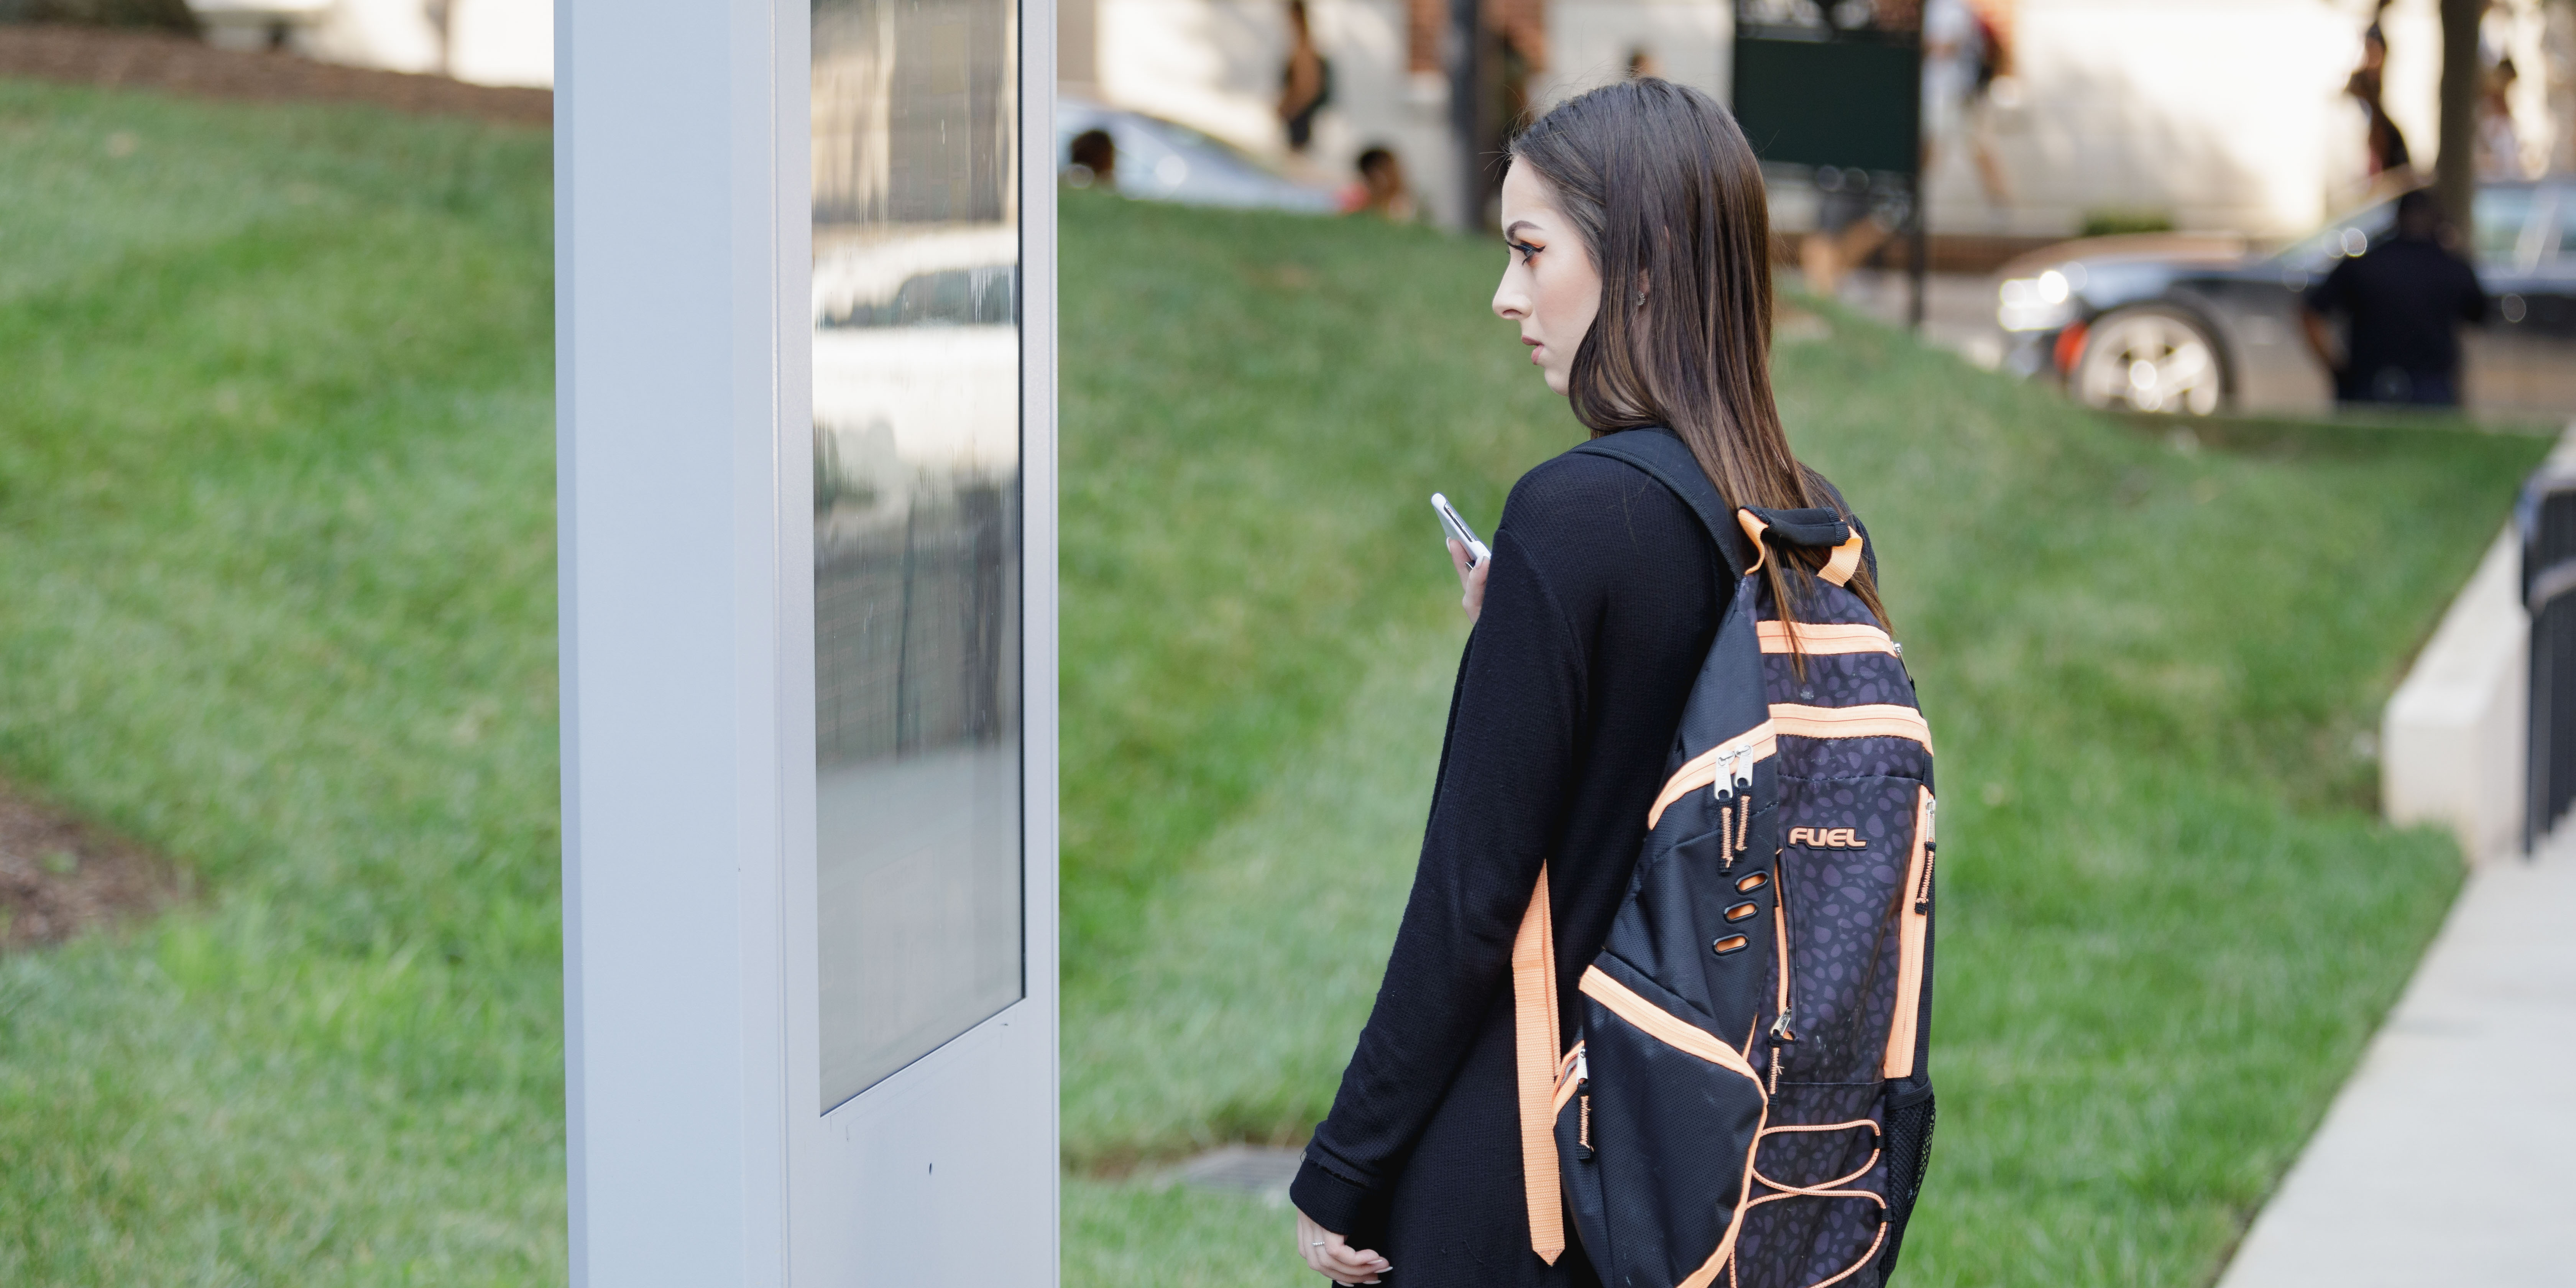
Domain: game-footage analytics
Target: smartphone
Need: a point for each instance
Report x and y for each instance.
(1457, 530)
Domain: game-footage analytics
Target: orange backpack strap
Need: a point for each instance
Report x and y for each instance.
(1534, 1042)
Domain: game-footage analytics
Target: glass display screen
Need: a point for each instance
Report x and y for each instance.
(916, 527)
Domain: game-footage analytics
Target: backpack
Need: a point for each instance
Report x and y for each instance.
(1747, 1095)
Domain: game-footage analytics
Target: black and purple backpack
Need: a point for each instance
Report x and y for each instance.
(1747, 1099)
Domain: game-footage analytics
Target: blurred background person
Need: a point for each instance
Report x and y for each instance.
(1305, 83)
(1381, 189)
(1855, 215)
(1642, 63)
(1092, 161)
(1990, 59)
(2499, 144)
(2402, 302)
(2384, 143)
(1950, 57)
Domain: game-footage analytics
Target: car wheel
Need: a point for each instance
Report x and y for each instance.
(2149, 360)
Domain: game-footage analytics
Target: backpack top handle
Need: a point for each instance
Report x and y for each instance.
(1810, 527)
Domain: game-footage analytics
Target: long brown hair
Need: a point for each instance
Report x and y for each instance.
(1658, 181)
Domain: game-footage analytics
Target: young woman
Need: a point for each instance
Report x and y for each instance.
(1640, 280)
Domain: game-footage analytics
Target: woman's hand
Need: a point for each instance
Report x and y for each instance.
(1326, 1253)
(1470, 581)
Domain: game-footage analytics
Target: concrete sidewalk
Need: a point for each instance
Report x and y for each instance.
(2450, 1157)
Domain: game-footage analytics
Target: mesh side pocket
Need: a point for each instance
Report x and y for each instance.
(1909, 1156)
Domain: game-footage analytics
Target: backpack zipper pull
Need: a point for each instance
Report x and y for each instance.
(1931, 855)
(1743, 780)
(1780, 1038)
(1722, 786)
(1582, 1076)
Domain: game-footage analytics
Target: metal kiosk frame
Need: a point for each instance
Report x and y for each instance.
(701, 1149)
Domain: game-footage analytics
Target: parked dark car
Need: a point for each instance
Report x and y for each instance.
(2193, 325)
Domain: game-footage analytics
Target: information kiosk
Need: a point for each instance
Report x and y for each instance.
(805, 281)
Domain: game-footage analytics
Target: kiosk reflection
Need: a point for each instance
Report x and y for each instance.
(916, 538)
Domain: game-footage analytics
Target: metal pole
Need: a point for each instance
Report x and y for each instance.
(1917, 255)
(1466, 108)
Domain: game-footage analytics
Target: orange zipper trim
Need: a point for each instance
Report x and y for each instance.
(1781, 1034)
(1699, 771)
(1820, 641)
(1566, 1082)
(1869, 720)
(1913, 927)
(1662, 1025)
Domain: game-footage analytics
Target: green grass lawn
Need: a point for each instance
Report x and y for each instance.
(276, 596)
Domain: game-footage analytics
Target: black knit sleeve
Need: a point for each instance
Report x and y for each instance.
(1504, 772)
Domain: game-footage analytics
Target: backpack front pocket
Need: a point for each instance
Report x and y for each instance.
(1848, 863)
(1671, 1115)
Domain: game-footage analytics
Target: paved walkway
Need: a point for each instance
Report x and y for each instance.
(2450, 1157)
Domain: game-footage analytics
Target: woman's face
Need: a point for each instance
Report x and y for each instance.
(1550, 285)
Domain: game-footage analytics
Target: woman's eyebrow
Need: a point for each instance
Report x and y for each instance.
(1513, 229)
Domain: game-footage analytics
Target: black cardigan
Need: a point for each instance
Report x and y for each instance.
(1604, 596)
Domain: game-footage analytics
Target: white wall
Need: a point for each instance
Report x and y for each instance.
(395, 35)
(503, 42)
(490, 42)
(1589, 42)
(2222, 113)
(1215, 64)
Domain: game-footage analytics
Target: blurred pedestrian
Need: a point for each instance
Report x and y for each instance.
(2385, 143)
(1381, 190)
(1639, 278)
(1951, 55)
(1094, 161)
(1855, 214)
(2402, 301)
(1991, 68)
(1856, 211)
(2499, 144)
(1306, 83)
